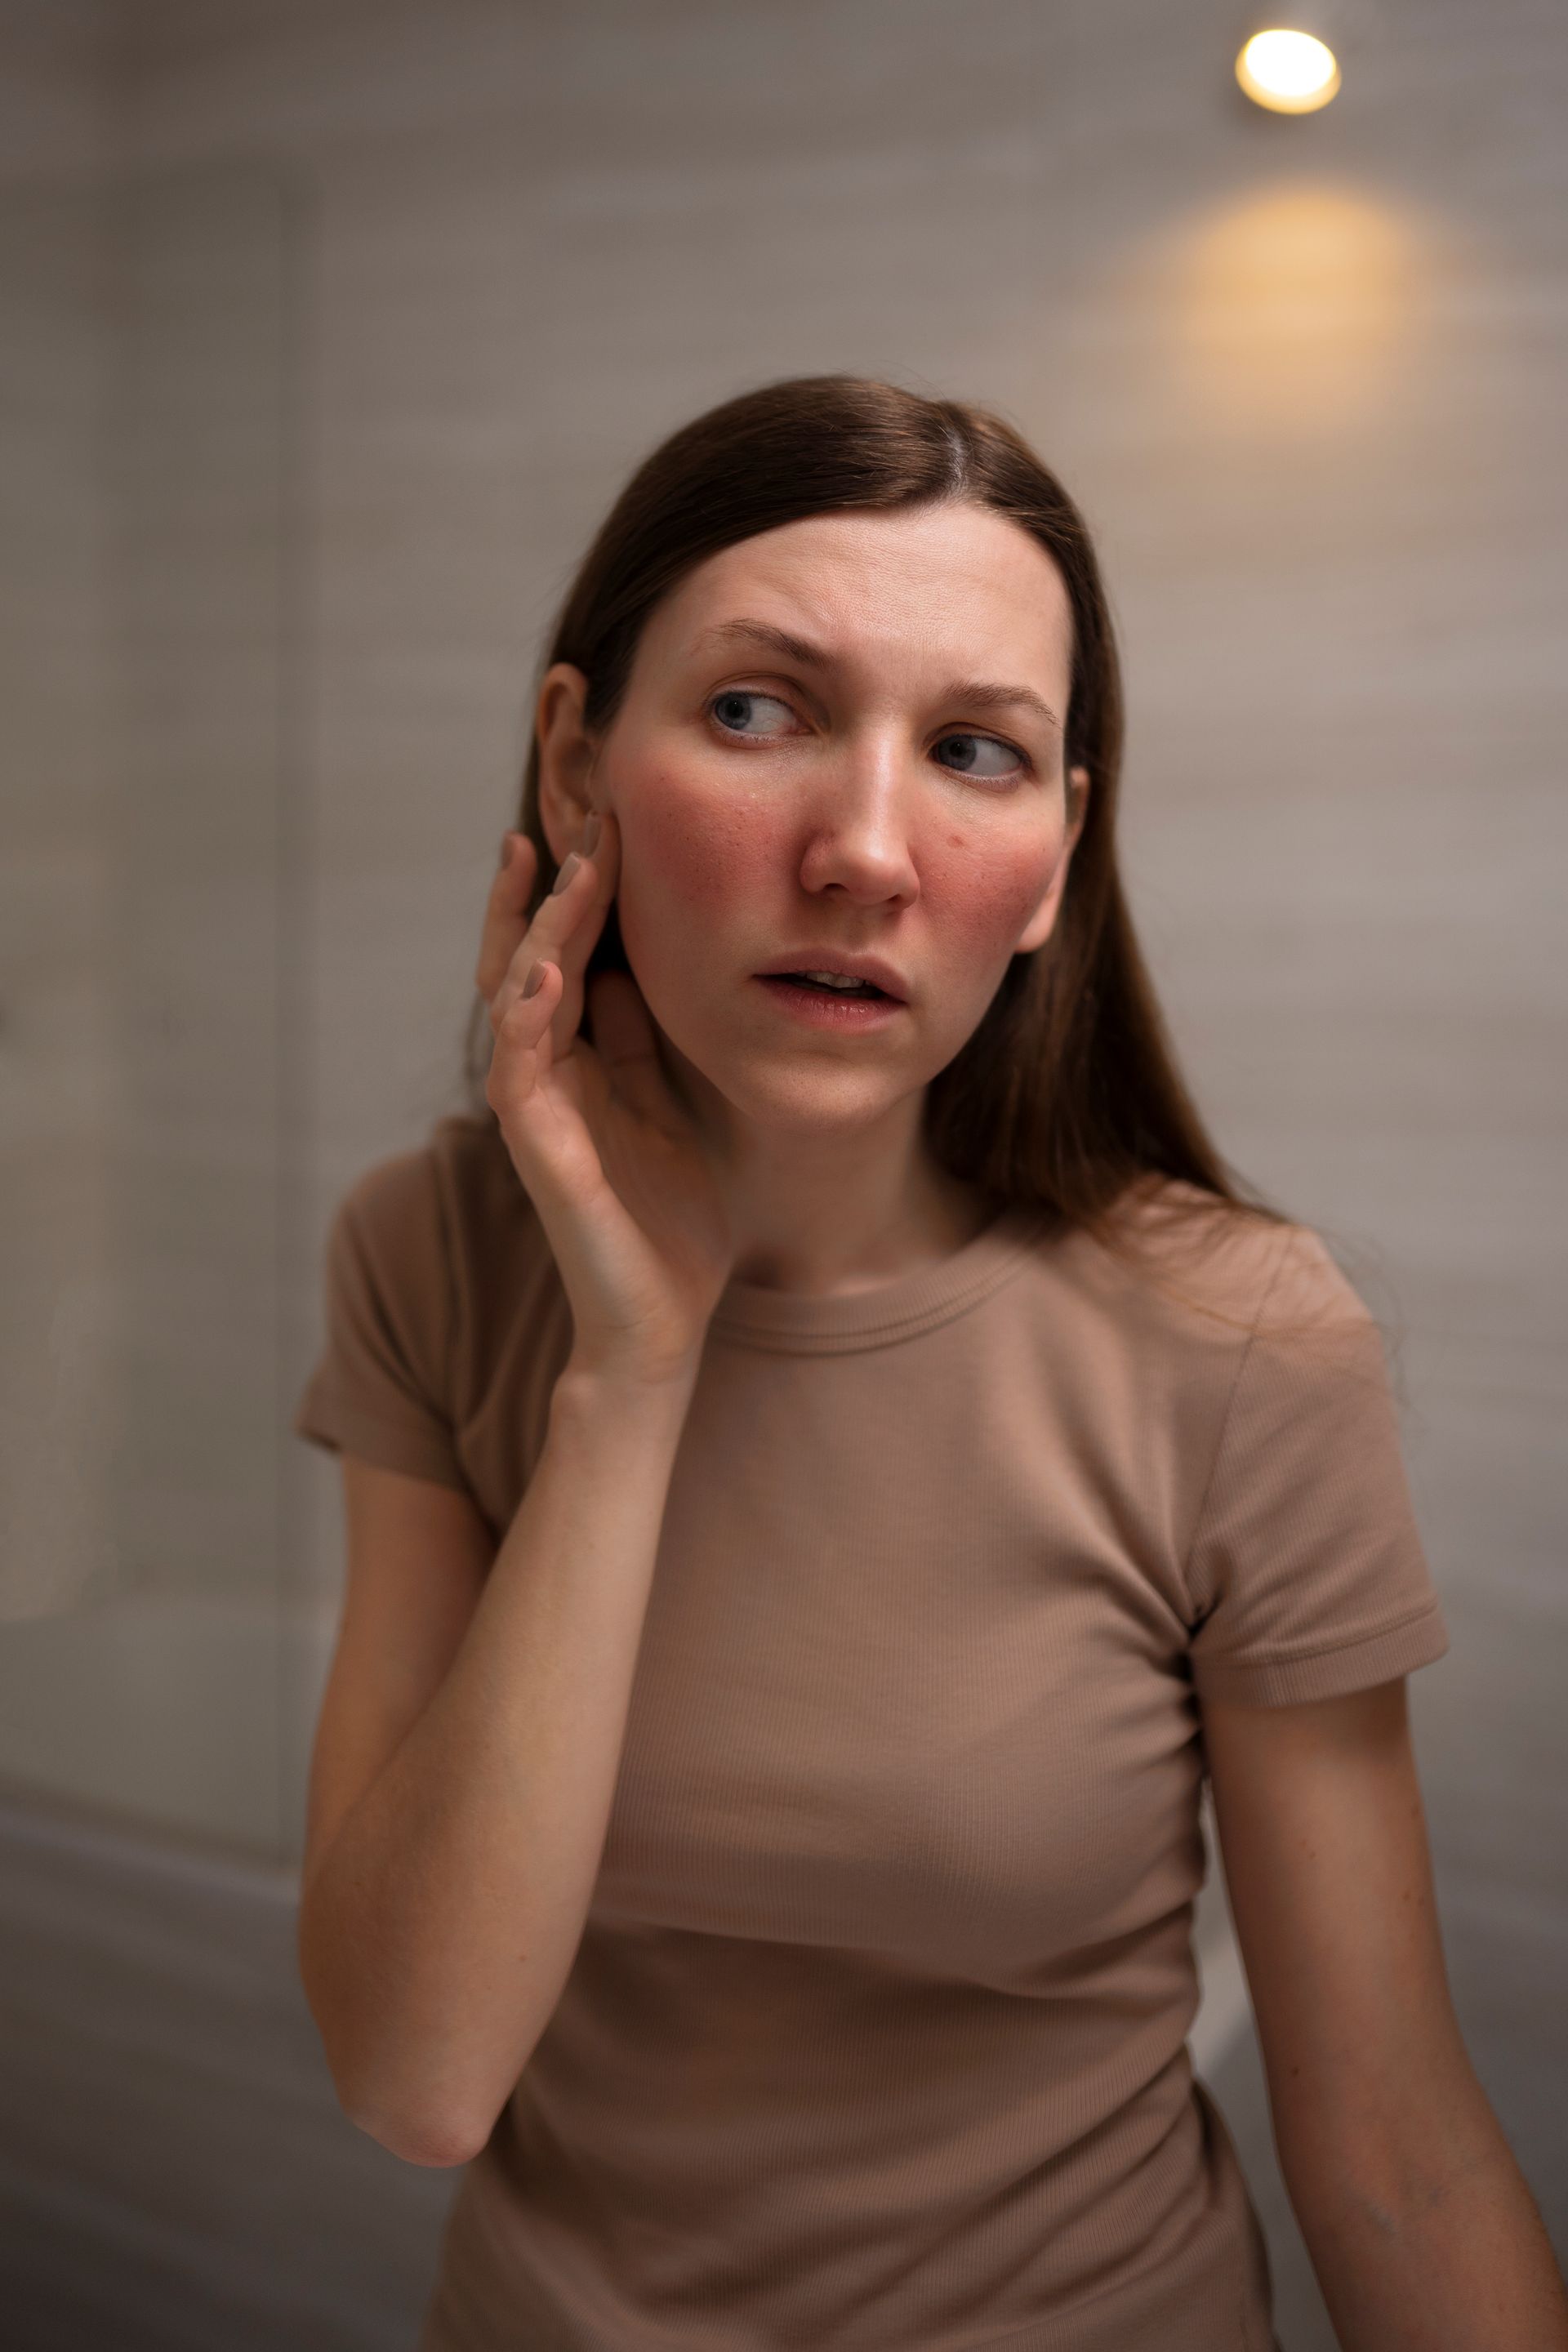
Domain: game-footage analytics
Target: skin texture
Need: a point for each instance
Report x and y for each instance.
(856, 805)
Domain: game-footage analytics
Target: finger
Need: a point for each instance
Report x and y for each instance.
(506, 918)
(514, 940)
(566, 924)
(523, 1058)
(551, 1147)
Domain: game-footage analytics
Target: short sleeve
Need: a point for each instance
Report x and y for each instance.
(1306, 1571)
(381, 1385)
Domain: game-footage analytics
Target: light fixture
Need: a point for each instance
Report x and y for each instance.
(1288, 52)
(1288, 70)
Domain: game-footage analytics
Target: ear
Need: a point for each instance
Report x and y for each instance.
(566, 756)
(1042, 922)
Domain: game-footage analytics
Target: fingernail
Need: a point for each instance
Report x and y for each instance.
(565, 874)
(505, 848)
(536, 981)
(591, 835)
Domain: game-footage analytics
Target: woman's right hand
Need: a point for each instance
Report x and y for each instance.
(608, 1155)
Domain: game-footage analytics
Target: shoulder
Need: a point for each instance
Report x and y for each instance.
(472, 1172)
(425, 1198)
(438, 1237)
(455, 1216)
(1197, 1263)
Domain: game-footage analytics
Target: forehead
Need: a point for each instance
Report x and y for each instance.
(950, 583)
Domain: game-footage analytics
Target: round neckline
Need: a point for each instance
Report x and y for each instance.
(794, 1322)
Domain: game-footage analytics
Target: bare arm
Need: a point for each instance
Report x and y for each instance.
(472, 1730)
(1420, 2224)
(439, 1924)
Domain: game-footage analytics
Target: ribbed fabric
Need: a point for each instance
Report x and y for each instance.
(876, 2037)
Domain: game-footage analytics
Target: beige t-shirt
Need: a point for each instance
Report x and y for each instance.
(876, 2036)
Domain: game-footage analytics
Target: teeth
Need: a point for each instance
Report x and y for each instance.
(834, 980)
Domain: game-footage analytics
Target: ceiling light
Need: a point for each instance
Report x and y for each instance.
(1289, 72)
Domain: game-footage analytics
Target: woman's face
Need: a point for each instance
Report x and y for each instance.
(862, 800)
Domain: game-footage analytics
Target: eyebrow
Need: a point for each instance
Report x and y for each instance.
(979, 693)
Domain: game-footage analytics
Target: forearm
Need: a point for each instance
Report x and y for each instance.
(441, 1926)
(1455, 2260)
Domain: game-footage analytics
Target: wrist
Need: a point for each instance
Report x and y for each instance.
(591, 1384)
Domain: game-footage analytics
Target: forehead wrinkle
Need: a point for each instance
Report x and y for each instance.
(979, 693)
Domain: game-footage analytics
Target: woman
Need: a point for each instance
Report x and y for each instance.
(794, 1943)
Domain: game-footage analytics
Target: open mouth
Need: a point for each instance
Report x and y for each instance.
(846, 1008)
(828, 988)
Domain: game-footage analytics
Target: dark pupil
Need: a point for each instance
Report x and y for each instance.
(731, 700)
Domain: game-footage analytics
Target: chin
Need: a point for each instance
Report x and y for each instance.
(800, 1093)
(807, 1098)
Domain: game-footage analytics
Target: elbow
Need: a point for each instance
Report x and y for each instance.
(419, 2140)
(439, 2136)
(439, 2149)
(420, 2136)
(417, 2131)
(440, 2143)
(395, 2106)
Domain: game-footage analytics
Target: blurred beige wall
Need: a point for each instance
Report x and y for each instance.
(144, 494)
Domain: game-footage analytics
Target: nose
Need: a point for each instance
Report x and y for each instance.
(861, 824)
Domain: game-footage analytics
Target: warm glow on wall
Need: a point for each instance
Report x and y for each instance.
(1290, 73)
(1296, 312)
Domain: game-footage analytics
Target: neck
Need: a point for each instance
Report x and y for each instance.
(835, 1210)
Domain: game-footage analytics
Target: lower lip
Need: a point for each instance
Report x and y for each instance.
(827, 1012)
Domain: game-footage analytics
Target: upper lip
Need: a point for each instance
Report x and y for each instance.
(843, 967)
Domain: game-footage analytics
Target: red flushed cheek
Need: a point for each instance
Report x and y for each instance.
(695, 871)
(694, 877)
(982, 898)
(690, 853)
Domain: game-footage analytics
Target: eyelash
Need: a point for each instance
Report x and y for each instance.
(762, 695)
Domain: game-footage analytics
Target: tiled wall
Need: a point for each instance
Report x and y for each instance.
(147, 809)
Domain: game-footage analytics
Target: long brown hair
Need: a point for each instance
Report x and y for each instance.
(1067, 1093)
